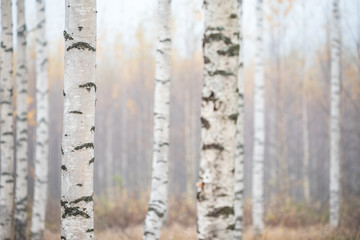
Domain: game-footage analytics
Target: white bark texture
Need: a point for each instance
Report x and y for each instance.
(42, 128)
(6, 118)
(239, 153)
(21, 200)
(259, 125)
(77, 206)
(219, 113)
(335, 117)
(159, 182)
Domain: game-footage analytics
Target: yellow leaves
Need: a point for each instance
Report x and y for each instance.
(32, 117)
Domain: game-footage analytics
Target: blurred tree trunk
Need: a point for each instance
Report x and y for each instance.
(42, 127)
(305, 128)
(124, 138)
(77, 206)
(335, 117)
(21, 193)
(6, 115)
(159, 184)
(306, 185)
(109, 173)
(259, 122)
(239, 153)
(219, 113)
(189, 160)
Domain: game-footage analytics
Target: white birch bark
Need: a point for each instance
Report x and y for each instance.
(219, 113)
(259, 122)
(335, 117)
(77, 206)
(6, 118)
(159, 183)
(21, 201)
(239, 153)
(42, 127)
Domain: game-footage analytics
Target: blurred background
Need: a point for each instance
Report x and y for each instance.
(297, 67)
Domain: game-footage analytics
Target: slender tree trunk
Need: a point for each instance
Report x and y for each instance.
(335, 118)
(159, 183)
(219, 113)
(77, 190)
(109, 185)
(124, 156)
(6, 118)
(259, 122)
(21, 200)
(190, 188)
(42, 128)
(306, 185)
(239, 153)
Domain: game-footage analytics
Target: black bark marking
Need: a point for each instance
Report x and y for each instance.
(92, 129)
(85, 199)
(217, 37)
(231, 51)
(80, 28)
(206, 60)
(63, 167)
(222, 211)
(212, 98)
(204, 123)
(234, 117)
(221, 72)
(76, 112)
(85, 145)
(92, 161)
(88, 86)
(74, 211)
(81, 46)
(215, 146)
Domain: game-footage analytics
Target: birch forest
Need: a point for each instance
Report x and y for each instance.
(180, 119)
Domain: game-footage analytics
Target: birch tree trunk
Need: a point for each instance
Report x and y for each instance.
(77, 190)
(190, 189)
(335, 118)
(306, 185)
(42, 128)
(6, 118)
(124, 156)
(159, 183)
(259, 122)
(21, 200)
(239, 153)
(109, 183)
(219, 113)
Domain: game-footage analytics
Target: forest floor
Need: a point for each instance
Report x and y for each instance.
(178, 232)
(285, 220)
